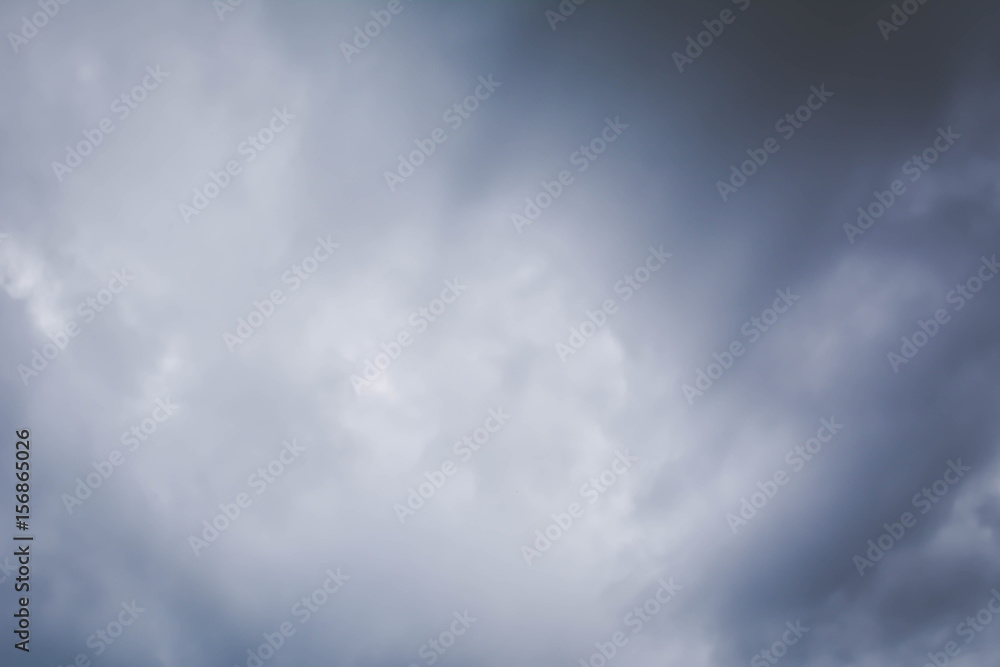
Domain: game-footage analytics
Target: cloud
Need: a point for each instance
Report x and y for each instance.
(320, 179)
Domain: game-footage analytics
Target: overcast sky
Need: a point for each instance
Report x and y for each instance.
(535, 335)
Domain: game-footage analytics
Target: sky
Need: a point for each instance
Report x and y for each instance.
(539, 333)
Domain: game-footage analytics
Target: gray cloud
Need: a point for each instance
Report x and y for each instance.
(323, 177)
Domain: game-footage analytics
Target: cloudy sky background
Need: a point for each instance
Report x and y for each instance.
(495, 346)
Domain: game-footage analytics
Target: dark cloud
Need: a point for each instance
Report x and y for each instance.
(528, 287)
